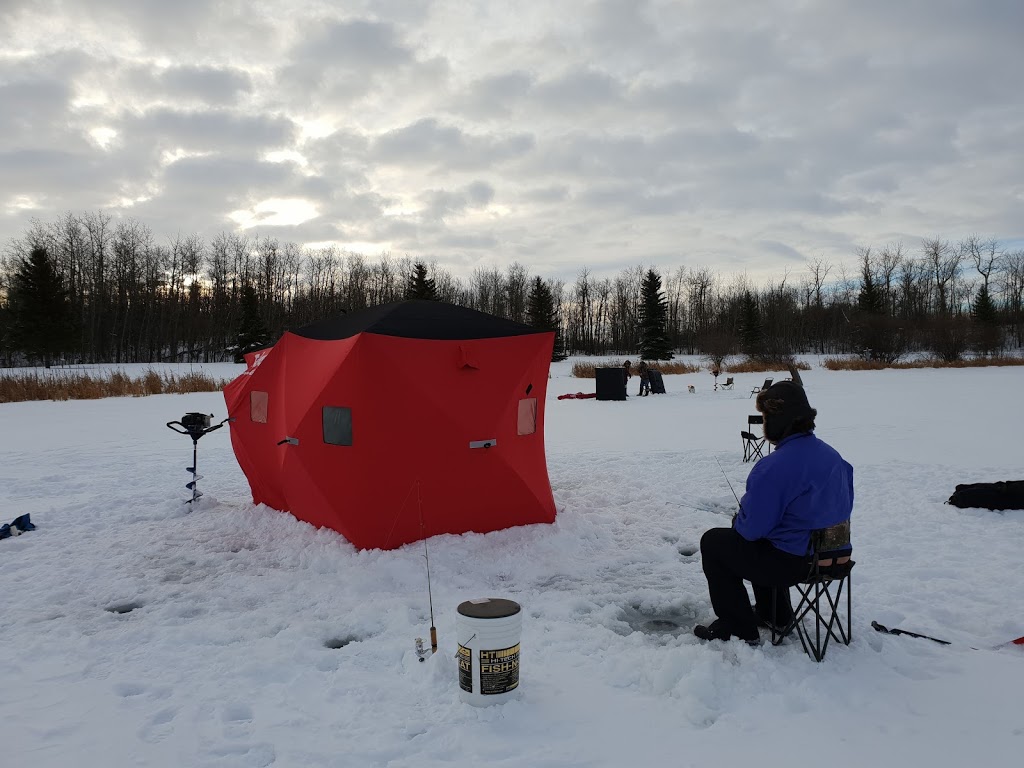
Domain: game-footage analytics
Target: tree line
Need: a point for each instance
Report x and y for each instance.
(88, 288)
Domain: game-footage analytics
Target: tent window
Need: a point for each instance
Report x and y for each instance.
(337, 425)
(258, 402)
(528, 416)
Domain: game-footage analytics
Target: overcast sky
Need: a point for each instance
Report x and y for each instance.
(737, 135)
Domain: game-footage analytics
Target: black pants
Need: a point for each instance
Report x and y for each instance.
(728, 560)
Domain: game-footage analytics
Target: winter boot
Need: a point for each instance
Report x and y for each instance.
(718, 631)
(714, 631)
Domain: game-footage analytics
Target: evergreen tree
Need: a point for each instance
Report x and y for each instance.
(879, 336)
(654, 343)
(751, 332)
(419, 287)
(6, 335)
(541, 314)
(43, 326)
(252, 331)
(870, 297)
(984, 309)
(985, 336)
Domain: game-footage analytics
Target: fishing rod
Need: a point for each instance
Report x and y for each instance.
(897, 631)
(712, 510)
(723, 511)
(421, 651)
(727, 482)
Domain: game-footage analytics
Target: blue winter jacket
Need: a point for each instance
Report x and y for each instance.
(803, 485)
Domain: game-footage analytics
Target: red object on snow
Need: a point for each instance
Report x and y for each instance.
(357, 422)
(578, 396)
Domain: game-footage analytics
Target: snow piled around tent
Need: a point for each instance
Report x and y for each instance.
(138, 631)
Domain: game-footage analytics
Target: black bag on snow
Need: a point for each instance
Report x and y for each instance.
(1007, 494)
(657, 382)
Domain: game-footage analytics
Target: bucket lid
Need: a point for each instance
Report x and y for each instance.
(489, 608)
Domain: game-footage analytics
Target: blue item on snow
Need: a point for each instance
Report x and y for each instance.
(18, 526)
(23, 523)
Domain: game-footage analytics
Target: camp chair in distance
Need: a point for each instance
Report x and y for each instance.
(729, 383)
(762, 388)
(753, 443)
(821, 593)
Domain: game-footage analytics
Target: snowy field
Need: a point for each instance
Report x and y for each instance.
(139, 632)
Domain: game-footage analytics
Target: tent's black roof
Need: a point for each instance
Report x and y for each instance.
(416, 319)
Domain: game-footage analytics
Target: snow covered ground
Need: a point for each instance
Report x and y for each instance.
(136, 633)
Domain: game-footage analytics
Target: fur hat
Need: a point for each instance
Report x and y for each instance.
(786, 410)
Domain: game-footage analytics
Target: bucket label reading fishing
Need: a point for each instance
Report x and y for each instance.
(499, 670)
(465, 669)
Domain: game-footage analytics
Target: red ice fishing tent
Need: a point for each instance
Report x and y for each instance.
(371, 422)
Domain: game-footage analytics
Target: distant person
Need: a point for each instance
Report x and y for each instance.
(715, 372)
(645, 379)
(801, 486)
(628, 366)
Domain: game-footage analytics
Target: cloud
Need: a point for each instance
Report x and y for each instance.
(337, 61)
(428, 142)
(215, 174)
(352, 45)
(446, 243)
(206, 84)
(579, 90)
(42, 171)
(442, 204)
(494, 97)
(31, 108)
(162, 27)
(213, 130)
(37, 94)
(602, 133)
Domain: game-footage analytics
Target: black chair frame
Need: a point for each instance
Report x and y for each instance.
(762, 388)
(829, 568)
(753, 444)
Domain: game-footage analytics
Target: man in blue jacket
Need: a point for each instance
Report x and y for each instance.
(801, 486)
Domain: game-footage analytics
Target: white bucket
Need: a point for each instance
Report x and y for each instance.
(488, 632)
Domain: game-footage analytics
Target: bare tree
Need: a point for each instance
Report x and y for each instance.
(819, 269)
(1013, 292)
(448, 287)
(985, 255)
(700, 298)
(135, 300)
(489, 289)
(675, 295)
(944, 262)
(889, 260)
(620, 308)
(516, 287)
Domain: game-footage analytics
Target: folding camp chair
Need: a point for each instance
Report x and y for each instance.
(729, 383)
(830, 569)
(762, 388)
(753, 444)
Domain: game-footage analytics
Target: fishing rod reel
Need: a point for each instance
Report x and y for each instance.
(195, 425)
(422, 652)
